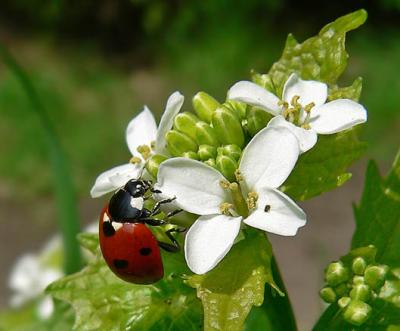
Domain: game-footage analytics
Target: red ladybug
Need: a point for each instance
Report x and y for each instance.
(128, 246)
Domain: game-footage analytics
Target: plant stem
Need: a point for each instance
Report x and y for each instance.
(65, 195)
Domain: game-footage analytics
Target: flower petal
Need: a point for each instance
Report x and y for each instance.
(307, 138)
(269, 158)
(114, 178)
(276, 213)
(255, 95)
(308, 91)
(337, 115)
(174, 105)
(208, 240)
(141, 130)
(195, 185)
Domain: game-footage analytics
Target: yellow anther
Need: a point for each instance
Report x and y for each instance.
(225, 208)
(238, 176)
(251, 200)
(306, 126)
(145, 151)
(283, 104)
(224, 184)
(135, 160)
(295, 101)
(308, 107)
(153, 145)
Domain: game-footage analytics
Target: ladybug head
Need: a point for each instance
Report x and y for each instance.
(137, 187)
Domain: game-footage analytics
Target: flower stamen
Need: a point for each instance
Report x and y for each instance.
(145, 151)
(238, 176)
(135, 160)
(226, 208)
(224, 184)
(251, 200)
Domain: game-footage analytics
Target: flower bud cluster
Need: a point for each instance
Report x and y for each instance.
(354, 283)
(214, 133)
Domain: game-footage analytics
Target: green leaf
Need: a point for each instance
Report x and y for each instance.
(228, 292)
(324, 167)
(90, 241)
(104, 302)
(378, 214)
(26, 318)
(352, 92)
(377, 223)
(322, 57)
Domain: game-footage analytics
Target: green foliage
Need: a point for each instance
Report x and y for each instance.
(377, 223)
(324, 167)
(378, 214)
(322, 57)
(103, 302)
(228, 292)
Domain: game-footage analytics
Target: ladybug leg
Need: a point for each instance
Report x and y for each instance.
(174, 247)
(157, 206)
(174, 212)
(154, 221)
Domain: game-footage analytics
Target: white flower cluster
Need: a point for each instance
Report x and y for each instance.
(266, 162)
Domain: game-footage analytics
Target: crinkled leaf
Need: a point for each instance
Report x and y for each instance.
(378, 214)
(322, 57)
(104, 302)
(229, 291)
(324, 167)
(90, 241)
(352, 92)
(26, 318)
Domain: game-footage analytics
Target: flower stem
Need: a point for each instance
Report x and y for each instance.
(64, 190)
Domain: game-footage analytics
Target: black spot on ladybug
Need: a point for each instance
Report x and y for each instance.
(145, 251)
(120, 264)
(108, 229)
(267, 208)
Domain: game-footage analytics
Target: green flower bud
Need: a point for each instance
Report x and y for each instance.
(342, 290)
(205, 134)
(204, 105)
(227, 166)
(153, 163)
(375, 276)
(344, 302)
(328, 295)
(207, 152)
(233, 151)
(179, 143)
(358, 280)
(191, 155)
(336, 273)
(228, 127)
(211, 163)
(357, 312)
(360, 292)
(358, 266)
(257, 119)
(239, 108)
(186, 123)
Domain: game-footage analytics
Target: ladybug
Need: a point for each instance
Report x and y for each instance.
(128, 246)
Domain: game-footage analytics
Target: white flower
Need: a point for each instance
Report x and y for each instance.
(142, 136)
(266, 163)
(28, 279)
(303, 108)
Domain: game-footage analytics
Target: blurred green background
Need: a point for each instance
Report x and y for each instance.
(96, 62)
